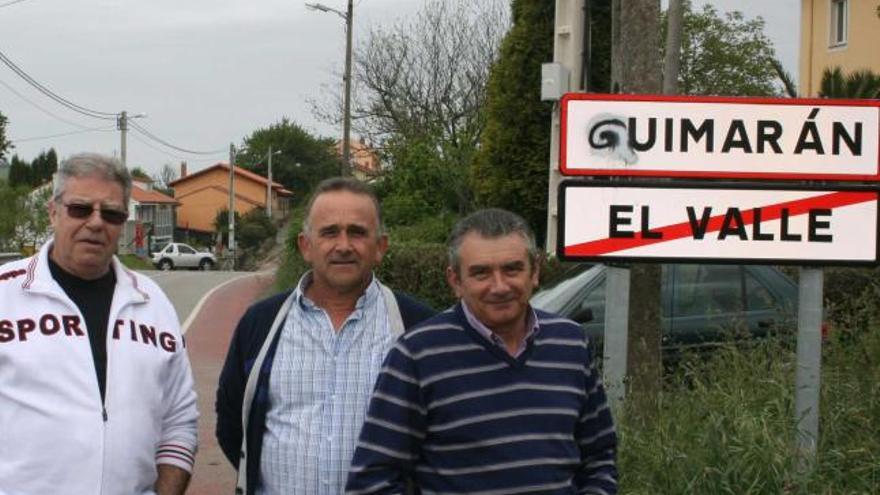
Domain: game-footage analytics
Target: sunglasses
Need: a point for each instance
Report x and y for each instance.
(109, 215)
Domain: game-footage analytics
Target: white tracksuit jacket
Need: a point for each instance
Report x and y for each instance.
(56, 437)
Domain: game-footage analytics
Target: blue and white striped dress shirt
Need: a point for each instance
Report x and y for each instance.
(319, 390)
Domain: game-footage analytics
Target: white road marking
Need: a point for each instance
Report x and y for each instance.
(195, 311)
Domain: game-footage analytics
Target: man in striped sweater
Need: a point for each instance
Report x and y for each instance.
(490, 396)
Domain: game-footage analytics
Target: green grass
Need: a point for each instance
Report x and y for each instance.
(725, 426)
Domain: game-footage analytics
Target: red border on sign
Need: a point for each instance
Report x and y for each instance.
(682, 230)
(568, 97)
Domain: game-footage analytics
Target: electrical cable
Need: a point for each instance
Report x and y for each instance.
(13, 2)
(46, 91)
(62, 134)
(163, 142)
(38, 107)
(170, 155)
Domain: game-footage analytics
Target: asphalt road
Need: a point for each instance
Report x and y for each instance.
(209, 305)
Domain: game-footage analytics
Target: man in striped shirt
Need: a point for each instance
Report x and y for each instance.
(302, 364)
(490, 396)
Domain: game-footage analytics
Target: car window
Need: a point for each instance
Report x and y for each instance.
(595, 301)
(557, 297)
(707, 289)
(186, 250)
(757, 296)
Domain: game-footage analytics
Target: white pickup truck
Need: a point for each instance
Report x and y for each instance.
(179, 255)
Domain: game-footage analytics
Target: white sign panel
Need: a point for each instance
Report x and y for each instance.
(677, 222)
(720, 137)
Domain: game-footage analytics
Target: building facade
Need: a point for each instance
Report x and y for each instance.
(151, 219)
(837, 33)
(202, 195)
(365, 164)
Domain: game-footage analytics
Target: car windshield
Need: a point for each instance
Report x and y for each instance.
(554, 298)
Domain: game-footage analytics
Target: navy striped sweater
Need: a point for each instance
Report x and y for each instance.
(459, 415)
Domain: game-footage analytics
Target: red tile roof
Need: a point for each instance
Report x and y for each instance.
(279, 189)
(144, 196)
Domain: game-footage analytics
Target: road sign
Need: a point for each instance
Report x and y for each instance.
(761, 138)
(720, 222)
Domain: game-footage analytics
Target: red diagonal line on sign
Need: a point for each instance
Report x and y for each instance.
(682, 230)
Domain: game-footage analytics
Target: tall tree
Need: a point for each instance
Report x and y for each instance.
(512, 162)
(5, 144)
(302, 160)
(166, 176)
(725, 55)
(19, 172)
(421, 84)
(636, 69)
(43, 167)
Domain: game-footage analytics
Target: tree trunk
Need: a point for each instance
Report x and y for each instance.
(672, 61)
(636, 69)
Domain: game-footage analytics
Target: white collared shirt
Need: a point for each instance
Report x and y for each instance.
(319, 390)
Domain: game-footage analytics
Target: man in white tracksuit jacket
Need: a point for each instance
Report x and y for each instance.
(129, 428)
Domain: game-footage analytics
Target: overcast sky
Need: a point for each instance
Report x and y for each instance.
(206, 72)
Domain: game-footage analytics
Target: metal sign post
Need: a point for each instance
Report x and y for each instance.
(626, 138)
(809, 368)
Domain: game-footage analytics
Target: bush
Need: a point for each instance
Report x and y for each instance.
(726, 425)
(255, 228)
(418, 269)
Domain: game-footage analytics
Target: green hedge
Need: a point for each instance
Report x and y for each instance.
(416, 268)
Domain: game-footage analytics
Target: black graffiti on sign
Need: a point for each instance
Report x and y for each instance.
(622, 137)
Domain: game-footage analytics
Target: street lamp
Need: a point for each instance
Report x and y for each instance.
(346, 111)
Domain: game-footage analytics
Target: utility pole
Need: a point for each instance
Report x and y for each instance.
(568, 46)
(346, 124)
(122, 125)
(348, 17)
(269, 185)
(232, 204)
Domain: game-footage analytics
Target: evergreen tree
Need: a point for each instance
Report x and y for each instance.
(511, 168)
(19, 172)
(5, 145)
(43, 167)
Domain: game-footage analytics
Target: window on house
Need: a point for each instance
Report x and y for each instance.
(839, 18)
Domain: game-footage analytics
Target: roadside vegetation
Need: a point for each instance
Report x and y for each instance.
(725, 425)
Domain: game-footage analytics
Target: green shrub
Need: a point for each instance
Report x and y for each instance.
(725, 426)
(418, 269)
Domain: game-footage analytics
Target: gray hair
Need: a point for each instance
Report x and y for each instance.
(491, 223)
(336, 184)
(90, 165)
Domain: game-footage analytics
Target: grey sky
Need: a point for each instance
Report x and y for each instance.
(207, 72)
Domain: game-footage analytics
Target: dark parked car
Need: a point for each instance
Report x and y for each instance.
(702, 305)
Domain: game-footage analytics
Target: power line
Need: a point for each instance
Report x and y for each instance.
(13, 2)
(171, 155)
(46, 91)
(163, 142)
(38, 107)
(62, 134)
